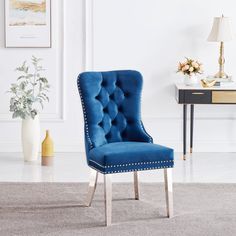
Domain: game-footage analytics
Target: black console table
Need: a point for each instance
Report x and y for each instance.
(188, 95)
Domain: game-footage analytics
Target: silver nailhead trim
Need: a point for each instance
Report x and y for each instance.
(131, 170)
(150, 138)
(141, 123)
(133, 164)
(85, 115)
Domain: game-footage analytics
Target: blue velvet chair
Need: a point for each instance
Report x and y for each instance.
(115, 138)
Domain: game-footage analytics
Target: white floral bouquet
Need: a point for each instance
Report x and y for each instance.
(190, 67)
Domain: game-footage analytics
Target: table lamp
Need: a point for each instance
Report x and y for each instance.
(221, 32)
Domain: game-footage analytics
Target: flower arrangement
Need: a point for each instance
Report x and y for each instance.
(29, 91)
(190, 67)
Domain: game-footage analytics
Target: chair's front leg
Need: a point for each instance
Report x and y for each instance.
(169, 191)
(108, 198)
(136, 186)
(92, 186)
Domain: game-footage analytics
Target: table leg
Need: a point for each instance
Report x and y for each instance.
(184, 130)
(191, 127)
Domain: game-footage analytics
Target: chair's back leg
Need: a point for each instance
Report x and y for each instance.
(136, 185)
(108, 198)
(169, 191)
(92, 186)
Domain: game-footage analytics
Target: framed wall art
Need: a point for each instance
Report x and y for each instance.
(28, 23)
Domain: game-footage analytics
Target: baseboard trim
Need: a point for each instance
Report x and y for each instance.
(199, 146)
(16, 147)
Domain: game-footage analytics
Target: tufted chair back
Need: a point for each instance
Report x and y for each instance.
(111, 107)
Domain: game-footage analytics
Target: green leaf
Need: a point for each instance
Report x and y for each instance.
(41, 103)
(15, 114)
(40, 87)
(29, 91)
(21, 77)
(29, 76)
(42, 97)
(13, 90)
(22, 85)
(43, 79)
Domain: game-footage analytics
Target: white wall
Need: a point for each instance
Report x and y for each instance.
(64, 61)
(150, 36)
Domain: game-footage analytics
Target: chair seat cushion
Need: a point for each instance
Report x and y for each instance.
(130, 156)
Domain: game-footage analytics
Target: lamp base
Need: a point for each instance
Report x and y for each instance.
(229, 78)
(221, 75)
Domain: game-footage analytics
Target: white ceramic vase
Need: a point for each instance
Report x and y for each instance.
(30, 138)
(190, 80)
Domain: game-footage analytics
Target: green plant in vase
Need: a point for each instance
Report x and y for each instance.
(29, 94)
(29, 91)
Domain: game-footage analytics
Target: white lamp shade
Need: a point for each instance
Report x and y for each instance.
(221, 30)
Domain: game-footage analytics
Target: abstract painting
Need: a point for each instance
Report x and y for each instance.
(26, 12)
(28, 23)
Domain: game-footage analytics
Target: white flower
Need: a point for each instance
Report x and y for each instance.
(191, 69)
(190, 66)
(180, 66)
(186, 67)
(195, 64)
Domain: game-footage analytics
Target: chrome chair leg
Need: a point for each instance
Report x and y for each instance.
(108, 198)
(169, 191)
(92, 187)
(136, 186)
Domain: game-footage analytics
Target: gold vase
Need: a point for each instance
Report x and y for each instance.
(47, 150)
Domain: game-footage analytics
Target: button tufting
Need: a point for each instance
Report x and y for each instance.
(117, 83)
(130, 121)
(103, 83)
(124, 133)
(111, 97)
(126, 94)
(120, 109)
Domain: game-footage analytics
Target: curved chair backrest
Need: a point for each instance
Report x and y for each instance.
(111, 106)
